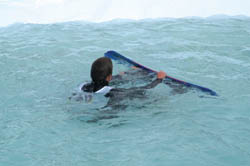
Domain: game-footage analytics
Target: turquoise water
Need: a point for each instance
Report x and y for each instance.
(41, 65)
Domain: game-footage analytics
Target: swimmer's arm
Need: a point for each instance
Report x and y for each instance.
(160, 76)
(152, 84)
(118, 76)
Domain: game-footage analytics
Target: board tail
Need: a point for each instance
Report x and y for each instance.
(122, 59)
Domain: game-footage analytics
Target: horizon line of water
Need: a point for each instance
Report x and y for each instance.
(212, 17)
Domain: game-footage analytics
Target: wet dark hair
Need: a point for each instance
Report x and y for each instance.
(100, 70)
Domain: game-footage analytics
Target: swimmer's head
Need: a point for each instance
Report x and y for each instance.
(101, 70)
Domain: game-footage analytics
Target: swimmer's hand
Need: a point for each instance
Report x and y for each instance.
(161, 75)
(134, 67)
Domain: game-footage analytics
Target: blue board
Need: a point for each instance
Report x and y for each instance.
(122, 59)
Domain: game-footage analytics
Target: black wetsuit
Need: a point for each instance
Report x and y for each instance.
(116, 95)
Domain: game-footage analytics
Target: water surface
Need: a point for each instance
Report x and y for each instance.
(41, 65)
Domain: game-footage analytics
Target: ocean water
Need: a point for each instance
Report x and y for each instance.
(42, 64)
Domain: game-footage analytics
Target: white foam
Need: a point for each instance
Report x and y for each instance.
(50, 11)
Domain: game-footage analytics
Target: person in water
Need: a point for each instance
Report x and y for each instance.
(101, 75)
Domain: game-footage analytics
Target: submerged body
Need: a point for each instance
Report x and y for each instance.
(116, 95)
(101, 74)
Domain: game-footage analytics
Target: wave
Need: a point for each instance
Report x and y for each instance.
(124, 21)
(53, 11)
